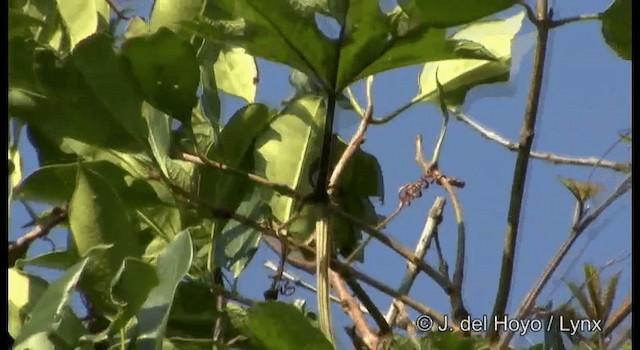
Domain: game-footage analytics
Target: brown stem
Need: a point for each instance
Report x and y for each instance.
(19, 248)
(617, 317)
(352, 309)
(520, 171)
(201, 160)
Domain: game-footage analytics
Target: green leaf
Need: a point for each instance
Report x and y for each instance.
(25, 291)
(97, 216)
(38, 185)
(616, 27)
(58, 260)
(448, 13)
(170, 13)
(280, 326)
(51, 319)
(234, 148)
(280, 31)
(80, 19)
(458, 76)
(167, 70)
(111, 82)
(53, 32)
(173, 264)
(366, 34)
(582, 191)
(20, 23)
(210, 100)
(236, 73)
(236, 244)
(285, 151)
(129, 289)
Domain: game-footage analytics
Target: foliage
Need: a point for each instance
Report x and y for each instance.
(129, 137)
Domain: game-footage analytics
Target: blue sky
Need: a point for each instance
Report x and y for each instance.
(586, 103)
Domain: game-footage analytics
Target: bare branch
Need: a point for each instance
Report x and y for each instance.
(531, 297)
(430, 227)
(546, 156)
(579, 18)
(201, 160)
(617, 317)
(354, 145)
(352, 309)
(520, 171)
(19, 248)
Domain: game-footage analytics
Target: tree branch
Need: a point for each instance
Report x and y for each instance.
(617, 317)
(297, 260)
(531, 297)
(520, 171)
(561, 22)
(201, 160)
(547, 156)
(350, 307)
(396, 246)
(19, 248)
(431, 226)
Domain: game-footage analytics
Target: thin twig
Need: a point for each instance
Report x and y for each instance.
(430, 228)
(298, 282)
(383, 224)
(366, 300)
(120, 13)
(617, 317)
(343, 269)
(353, 146)
(351, 308)
(19, 248)
(296, 260)
(396, 246)
(531, 297)
(280, 188)
(561, 22)
(547, 156)
(520, 171)
(459, 312)
(529, 10)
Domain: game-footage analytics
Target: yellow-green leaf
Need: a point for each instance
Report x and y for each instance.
(236, 73)
(457, 76)
(80, 18)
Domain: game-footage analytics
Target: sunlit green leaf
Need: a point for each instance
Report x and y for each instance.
(170, 13)
(288, 159)
(24, 293)
(458, 76)
(80, 19)
(279, 31)
(236, 73)
(616, 27)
